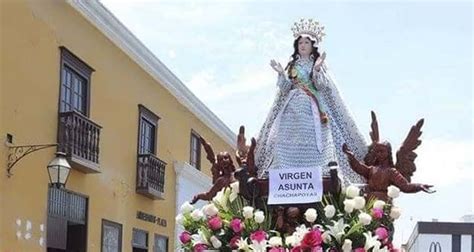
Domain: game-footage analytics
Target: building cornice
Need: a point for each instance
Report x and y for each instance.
(113, 29)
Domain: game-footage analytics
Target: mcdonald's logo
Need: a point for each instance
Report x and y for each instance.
(435, 247)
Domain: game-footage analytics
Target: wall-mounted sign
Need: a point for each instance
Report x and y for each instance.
(151, 218)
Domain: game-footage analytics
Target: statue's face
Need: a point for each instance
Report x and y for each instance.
(223, 159)
(305, 48)
(381, 152)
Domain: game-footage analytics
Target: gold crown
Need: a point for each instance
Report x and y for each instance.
(310, 28)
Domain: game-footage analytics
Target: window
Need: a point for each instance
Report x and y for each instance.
(139, 240)
(161, 243)
(111, 236)
(148, 123)
(75, 83)
(195, 150)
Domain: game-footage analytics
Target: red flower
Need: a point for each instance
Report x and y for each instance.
(359, 250)
(236, 225)
(258, 236)
(185, 237)
(381, 233)
(233, 242)
(200, 247)
(312, 239)
(377, 213)
(215, 223)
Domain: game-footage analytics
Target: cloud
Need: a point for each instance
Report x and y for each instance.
(207, 85)
(171, 54)
(444, 162)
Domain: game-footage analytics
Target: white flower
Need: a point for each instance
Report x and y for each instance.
(210, 210)
(200, 237)
(221, 199)
(300, 232)
(349, 205)
(259, 217)
(275, 241)
(290, 240)
(379, 204)
(243, 245)
(186, 207)
(311, 215)
(371, 241)
(337, 230)
(352, 191)
(197, 214)
(259, 246)
(234, 191)
(326, 237)
(393, 192)
(215, 242)
(329, 211)
(365, 219)
(247, 212)
(395, 212)
(179, 219)
(359, 202)
(347, 246)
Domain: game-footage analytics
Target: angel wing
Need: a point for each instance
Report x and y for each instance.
(374, 134)
(406, 155)
(245, 154)
(208, 148)
(242, 148)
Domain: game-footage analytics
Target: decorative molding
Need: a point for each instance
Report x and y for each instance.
(112, 28)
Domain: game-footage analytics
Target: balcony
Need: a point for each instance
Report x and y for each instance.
(150, 176)
(78, 137)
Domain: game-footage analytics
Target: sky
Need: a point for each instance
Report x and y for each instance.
(406, 60)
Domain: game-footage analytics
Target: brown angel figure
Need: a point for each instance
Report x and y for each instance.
(248, 183)
(379, 169)
(222, 172)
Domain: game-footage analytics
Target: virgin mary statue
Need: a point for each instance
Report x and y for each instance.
(308, 122)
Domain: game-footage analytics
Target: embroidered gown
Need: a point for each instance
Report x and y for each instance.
(293, 135)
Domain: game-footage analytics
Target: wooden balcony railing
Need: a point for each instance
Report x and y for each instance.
(79, 138)
(150, 176)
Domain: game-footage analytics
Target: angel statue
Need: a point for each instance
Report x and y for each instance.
(379, 169)
(308, 121)
(222, 170)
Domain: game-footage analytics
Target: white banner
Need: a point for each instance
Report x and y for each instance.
(295, 186)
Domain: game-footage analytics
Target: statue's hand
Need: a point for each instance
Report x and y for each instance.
(277, 66)
(427, 188)
(319, 62)
(346, 150)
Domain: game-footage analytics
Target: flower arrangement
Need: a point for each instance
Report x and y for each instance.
(344, 222)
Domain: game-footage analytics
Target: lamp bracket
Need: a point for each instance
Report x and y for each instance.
(16, 153)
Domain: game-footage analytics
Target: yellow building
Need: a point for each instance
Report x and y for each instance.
(72, 74)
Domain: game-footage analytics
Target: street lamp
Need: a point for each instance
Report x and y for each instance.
(58, 170)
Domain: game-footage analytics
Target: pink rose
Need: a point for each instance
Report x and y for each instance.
(359, 250)
(215, 223)
(200, 247)
(381, 233)
(185, 237)
(312, 239)
(233, 242)
(377, 213)
(236, 225)
(258, 236)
